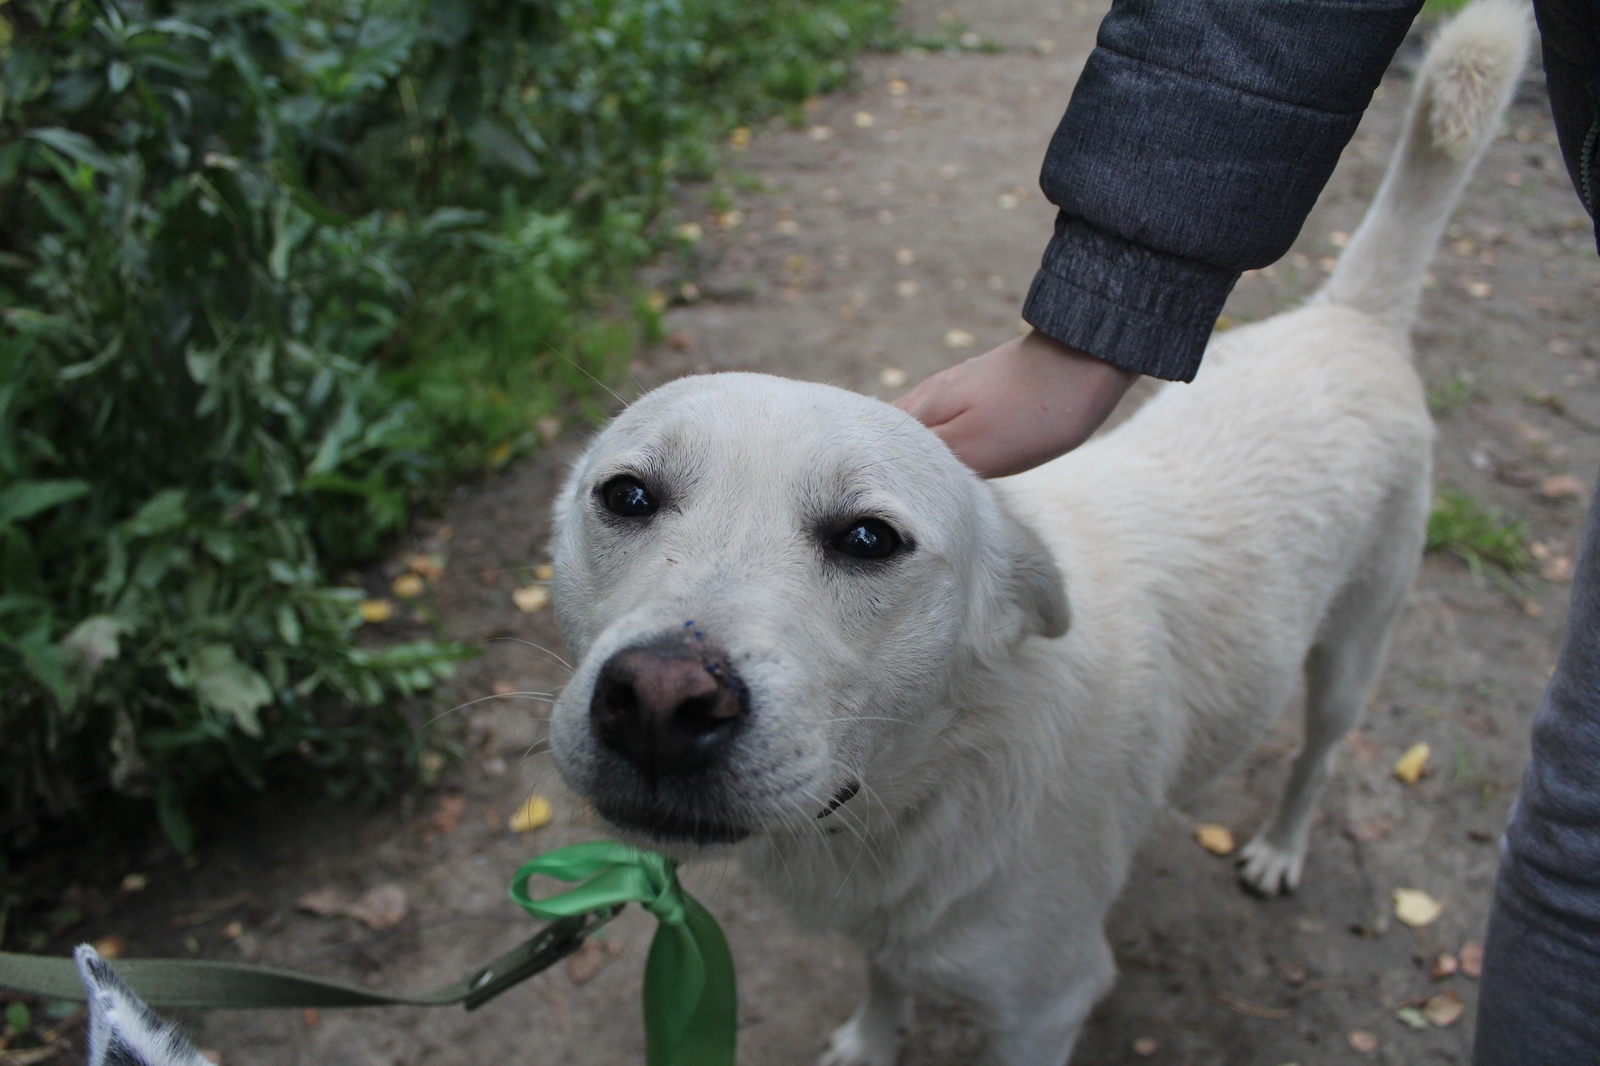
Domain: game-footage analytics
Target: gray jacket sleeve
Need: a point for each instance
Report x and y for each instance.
(1193, 148)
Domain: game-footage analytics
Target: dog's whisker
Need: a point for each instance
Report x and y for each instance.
(536, 647)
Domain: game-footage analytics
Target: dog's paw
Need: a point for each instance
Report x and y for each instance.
(1268, 870)
(850, 1046)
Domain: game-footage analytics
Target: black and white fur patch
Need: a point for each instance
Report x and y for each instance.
(122, 1030)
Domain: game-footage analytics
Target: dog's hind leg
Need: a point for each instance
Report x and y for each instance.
(1341, 671)
(873, 1035)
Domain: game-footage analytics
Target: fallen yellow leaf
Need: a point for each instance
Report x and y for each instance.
(530, 598)
(891, 377)
(1217, 839)
(544, 572)
(1410, 765)
(376, 610)
(407, 586)
(535, 813)
(1415, 907)
(959, 338)
(500, 453)
(740, 137)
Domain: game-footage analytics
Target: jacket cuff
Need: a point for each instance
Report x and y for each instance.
(1126, 304)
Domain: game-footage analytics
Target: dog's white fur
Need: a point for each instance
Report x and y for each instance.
(1259, 526)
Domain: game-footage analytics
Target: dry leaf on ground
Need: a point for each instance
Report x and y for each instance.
(1292, 974)
(1562, 487)
(1217, 839)
(534, 813)
(1410, 765)
(1444, 965)
(1445, 1009)
(452, 808)
(380, 907)
(430, 566)
(586, 963)
(1557, 569)
(408, 586)
(1415, 907)
(1362, 1041)
(892, 377)
(530, 598)
(1471, 957)
(1363, 746)
(1145, 1046)
(111, 947)
(324, 902)
(544, 572)
(1374, 829)
(959, 338)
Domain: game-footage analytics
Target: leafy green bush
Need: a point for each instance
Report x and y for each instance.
(270, 270)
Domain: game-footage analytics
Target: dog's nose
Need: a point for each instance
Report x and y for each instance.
(667, 707)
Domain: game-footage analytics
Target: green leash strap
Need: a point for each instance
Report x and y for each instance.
(197, 983)
(690, 1005)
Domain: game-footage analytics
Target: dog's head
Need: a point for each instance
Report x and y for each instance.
(771, 588)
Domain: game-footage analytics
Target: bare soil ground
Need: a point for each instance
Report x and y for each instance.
(903, 219)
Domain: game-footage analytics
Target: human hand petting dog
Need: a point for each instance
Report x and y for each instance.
(1018, 405)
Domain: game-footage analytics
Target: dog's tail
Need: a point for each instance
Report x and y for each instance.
(1466, 80)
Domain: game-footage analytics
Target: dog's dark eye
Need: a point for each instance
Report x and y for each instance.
(866, 538)
(627, 497)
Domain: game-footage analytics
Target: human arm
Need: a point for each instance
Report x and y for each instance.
(1019, 405)
(1195, 144)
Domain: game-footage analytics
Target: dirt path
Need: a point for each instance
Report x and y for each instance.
(894, 234)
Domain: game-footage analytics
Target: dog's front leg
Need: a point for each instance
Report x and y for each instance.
(872, 1037)
(1038, 1022)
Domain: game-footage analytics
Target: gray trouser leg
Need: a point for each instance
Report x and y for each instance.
(1539, 1004)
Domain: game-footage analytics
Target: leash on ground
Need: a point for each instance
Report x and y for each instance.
(690, 1005)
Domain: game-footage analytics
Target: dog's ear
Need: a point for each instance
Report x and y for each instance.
(1031, 580)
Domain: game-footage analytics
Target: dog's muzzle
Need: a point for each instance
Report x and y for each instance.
(668, 707)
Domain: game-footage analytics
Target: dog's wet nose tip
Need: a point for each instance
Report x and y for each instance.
(667, 707)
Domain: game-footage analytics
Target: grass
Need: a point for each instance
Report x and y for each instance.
(1446, 397)
(1477, 534)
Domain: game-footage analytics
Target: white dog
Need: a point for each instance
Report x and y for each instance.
(807, 630)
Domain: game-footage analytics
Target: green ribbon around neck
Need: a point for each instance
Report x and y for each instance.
(690, 1007)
